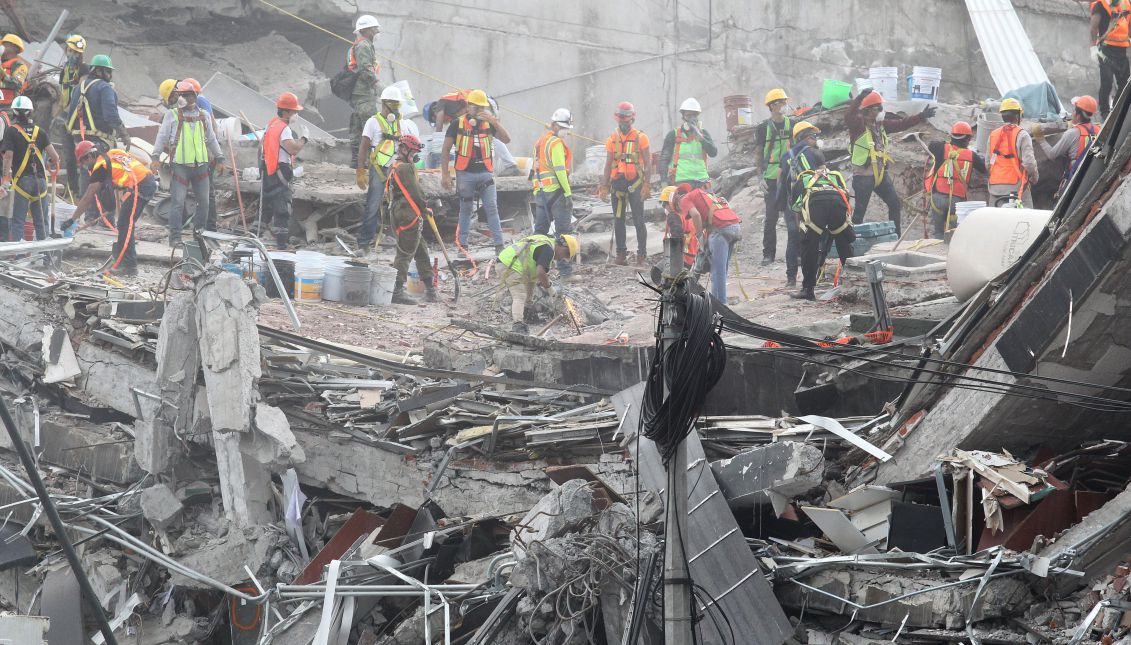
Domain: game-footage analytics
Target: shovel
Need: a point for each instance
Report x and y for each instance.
(54, 179)
(443, 249)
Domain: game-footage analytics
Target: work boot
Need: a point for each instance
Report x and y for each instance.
(767, 260)
(174, 241)
(790, 282)
(641, 258)
(498, 249)
(430, 293)
(622, 258)
(399, 295)
(805, 293)
(124, 271)
(520, 328)
(282, 241)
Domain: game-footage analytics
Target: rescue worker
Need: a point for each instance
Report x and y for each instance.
(1012, 163)
(680, 225)
(1074, 143)
(13, 71)
(170, 99)
(363, 61)
(472, 135)
(374, 157)
(439, 114)
(628, 165)
(74, 68)
(718, 226)
(24, 146)
(187, 137)
(952, 164)
(405, 202)
(133, 187)
(92, 115)
(686, 148)
(553, 196)
(773, 139)
(820, 198)
(527, 263)
(1111, 37)
(870, 158)
(281, 144)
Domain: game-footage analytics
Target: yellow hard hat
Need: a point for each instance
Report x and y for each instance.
(802, 126)
(666, 194)
(1011, 104)
(776, 94)
(572, 244)
(76, 43)
(15, 40)
(478, 97)
(165, 89)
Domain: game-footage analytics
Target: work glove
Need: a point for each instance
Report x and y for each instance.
(603, 192)
(1037, 131)
(217, 161)
(1094, 52)
(363, 178)
(155, 166)
(125, 137)
(929, 111)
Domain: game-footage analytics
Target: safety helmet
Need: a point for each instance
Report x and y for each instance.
(288, 101)
(571, 243)
(392, 94)
(1086, 104)
(873, 98)
(563, 118)
(625, 111)
(961, 129)
(22, 103)
(189, 85)
(102, 60)
(165, 89)
(365, 22)
(801, 128)
(690, 105)
(666, 194)
(683, 189)
(15, 40)
(1011, 104)
(76, 43)
(84, 148)
(478, 97)
(411, 141)
(776, 94)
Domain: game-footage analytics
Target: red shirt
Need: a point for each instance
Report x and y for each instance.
(702, 202)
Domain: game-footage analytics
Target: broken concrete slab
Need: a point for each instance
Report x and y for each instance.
(82, 447)
(788, 468)
(59, 360)
(1096, 545)
(273, 443)
(178, 362)
(229, 350)
(561, 510)
(160, 506)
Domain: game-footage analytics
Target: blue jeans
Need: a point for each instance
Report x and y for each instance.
(20, 206)
(468, 185)
(373, 199)
(721, 242)
(556, 209)
(184, 177)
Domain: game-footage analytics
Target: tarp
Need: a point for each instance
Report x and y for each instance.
(1010, 56)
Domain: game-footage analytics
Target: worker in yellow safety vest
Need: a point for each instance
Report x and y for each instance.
(74, 68)
(374, 157)
(687, 147)
(526, 263)
(553, 195)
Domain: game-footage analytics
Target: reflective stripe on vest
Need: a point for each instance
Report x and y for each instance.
(28, 151)
(689, 161)
(953, 174)
(776, 147)
(82, 119)
(384, 150)
(626, 155)
(519, 255)
(188, 142)
(9, 94)
(125, 171)
(469, 137)
(1087, 136)
(1118, 33)
(864, 151)
(68, 79)
(351, 60)
(1005, 162)
(546, 179)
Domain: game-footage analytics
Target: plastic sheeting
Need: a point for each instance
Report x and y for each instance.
(1010, 56)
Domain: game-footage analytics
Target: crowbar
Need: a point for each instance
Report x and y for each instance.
(443, 249)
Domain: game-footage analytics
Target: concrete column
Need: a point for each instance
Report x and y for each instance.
(178, 363)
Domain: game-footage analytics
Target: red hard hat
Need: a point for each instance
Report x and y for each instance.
(873, 98)
(961, 129)
(189, 85)
(288, 101)
(625, 111)
(411, 142)
(83, 148)
(683, 188)
(1086, 104)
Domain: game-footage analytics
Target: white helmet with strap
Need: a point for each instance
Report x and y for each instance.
(392, 93)
(563, 118)
(22, 103)
(365, 22)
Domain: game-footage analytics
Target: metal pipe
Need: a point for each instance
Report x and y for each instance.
(47, 43)
(904, 596)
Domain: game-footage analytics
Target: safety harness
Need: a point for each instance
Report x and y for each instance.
(864, 151)
(31, 148)
(417, 213)
(954, 172)
(818, 180)
(86, 125)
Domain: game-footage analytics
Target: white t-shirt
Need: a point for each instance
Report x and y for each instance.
(373, 131)
(285, 135)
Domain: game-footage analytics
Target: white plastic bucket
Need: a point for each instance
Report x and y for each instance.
(595, 159)
(310, 271)
(923, 84)
(381, 286)
(332, 280)
(357, 282)
(229, 128)
(962, 209)
(885, 80)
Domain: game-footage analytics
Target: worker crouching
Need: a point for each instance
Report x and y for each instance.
(720, 229)
(404, 201)
(527, 263)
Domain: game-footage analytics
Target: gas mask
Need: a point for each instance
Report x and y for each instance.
(22, 116)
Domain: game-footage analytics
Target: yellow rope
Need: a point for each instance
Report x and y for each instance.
(415, 70)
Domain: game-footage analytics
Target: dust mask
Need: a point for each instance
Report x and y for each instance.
(181, 102)
(625, 127)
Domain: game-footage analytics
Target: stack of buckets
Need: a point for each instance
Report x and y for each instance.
(923, 84)
(885, 80)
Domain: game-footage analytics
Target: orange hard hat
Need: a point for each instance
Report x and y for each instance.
(189, 85)
(961, 129)
(1086, 104)
(288, 101)
(873, 98)
(83, 148)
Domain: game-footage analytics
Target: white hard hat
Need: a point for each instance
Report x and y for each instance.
(392, 94)
(563, 118)
(365, 22)
(22, 103)
(690, 105)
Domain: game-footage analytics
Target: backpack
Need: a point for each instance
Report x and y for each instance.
(343, 83)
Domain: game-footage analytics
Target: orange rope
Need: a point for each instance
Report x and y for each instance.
(129, 231)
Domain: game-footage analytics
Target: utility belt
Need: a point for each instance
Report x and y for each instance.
(26, 195)
(824, 189)
(623, 185)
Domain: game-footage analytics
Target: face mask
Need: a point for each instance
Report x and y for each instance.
(625, 127)
(181, 102)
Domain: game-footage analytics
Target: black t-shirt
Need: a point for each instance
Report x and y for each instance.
(101, 175)
(544, 256)
(16, 142)
(476, 163)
